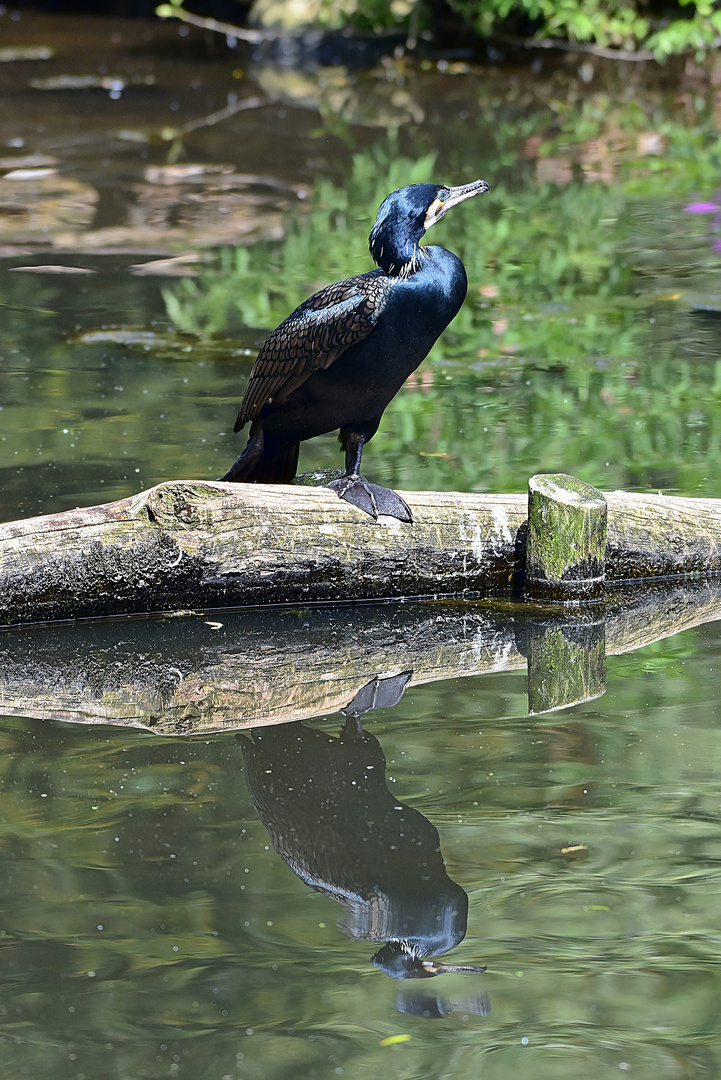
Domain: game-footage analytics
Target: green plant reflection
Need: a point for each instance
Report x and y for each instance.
(146, 920)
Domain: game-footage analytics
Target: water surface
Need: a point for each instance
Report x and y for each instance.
(151, 924)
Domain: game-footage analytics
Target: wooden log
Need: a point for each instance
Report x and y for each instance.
(661, 535)
(566, 544)
(198, 673)
(194, 544)
(188, 544)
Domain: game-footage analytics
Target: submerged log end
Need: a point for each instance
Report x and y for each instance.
(566, 544)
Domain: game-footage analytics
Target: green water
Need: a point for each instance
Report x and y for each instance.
(149, 925)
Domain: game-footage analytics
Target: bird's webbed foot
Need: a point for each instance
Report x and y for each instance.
(370, 498)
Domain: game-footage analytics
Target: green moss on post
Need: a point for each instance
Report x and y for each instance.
(566, 665)
(566, 543)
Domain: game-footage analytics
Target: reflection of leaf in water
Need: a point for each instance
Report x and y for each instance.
(185, 265)
(166, 345)
(702, 301)
(28, 307)
(12, 53)
(29, 161)
(38, 205)
(127, 337)
(87, 82)
(32, 172)
(54, 269)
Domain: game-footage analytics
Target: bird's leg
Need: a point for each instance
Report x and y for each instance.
(353, 727)
(353, 446)
(370, 498)
(251, 456)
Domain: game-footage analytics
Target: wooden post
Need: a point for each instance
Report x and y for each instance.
(566, 543)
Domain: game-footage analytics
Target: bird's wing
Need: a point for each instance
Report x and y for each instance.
(311, 338)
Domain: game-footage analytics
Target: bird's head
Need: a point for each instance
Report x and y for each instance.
(405, 215)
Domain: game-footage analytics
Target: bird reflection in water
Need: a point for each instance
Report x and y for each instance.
(330, 816)
(435, 1006)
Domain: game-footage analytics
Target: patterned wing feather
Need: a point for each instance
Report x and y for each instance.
(312, 337)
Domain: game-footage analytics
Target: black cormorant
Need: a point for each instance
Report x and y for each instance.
(341, 356)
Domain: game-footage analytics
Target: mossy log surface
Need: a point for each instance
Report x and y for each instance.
(197, 673)
(194, 544)
(190, 544)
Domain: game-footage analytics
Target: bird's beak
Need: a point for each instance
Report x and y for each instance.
(433, 967)
(453, 196)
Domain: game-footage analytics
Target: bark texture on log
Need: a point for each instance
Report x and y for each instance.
(193, 544)
(188, 544)
(661, 535)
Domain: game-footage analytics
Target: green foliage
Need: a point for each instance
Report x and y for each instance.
(629, 25)
(606, 23)
(698, 34)
(545, 368)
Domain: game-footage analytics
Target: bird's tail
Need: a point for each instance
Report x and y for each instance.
(268, 469)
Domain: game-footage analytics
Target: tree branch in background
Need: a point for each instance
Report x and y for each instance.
(254, 37)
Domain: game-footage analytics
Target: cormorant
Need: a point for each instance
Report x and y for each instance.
(341, 356)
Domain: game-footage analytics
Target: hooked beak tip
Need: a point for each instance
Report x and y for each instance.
(455, 196)
(466, 191)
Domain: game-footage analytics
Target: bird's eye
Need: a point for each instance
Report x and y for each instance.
(441, 196)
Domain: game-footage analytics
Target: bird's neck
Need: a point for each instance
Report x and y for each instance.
(398, 256)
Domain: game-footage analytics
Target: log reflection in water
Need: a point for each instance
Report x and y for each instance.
(234, 669)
